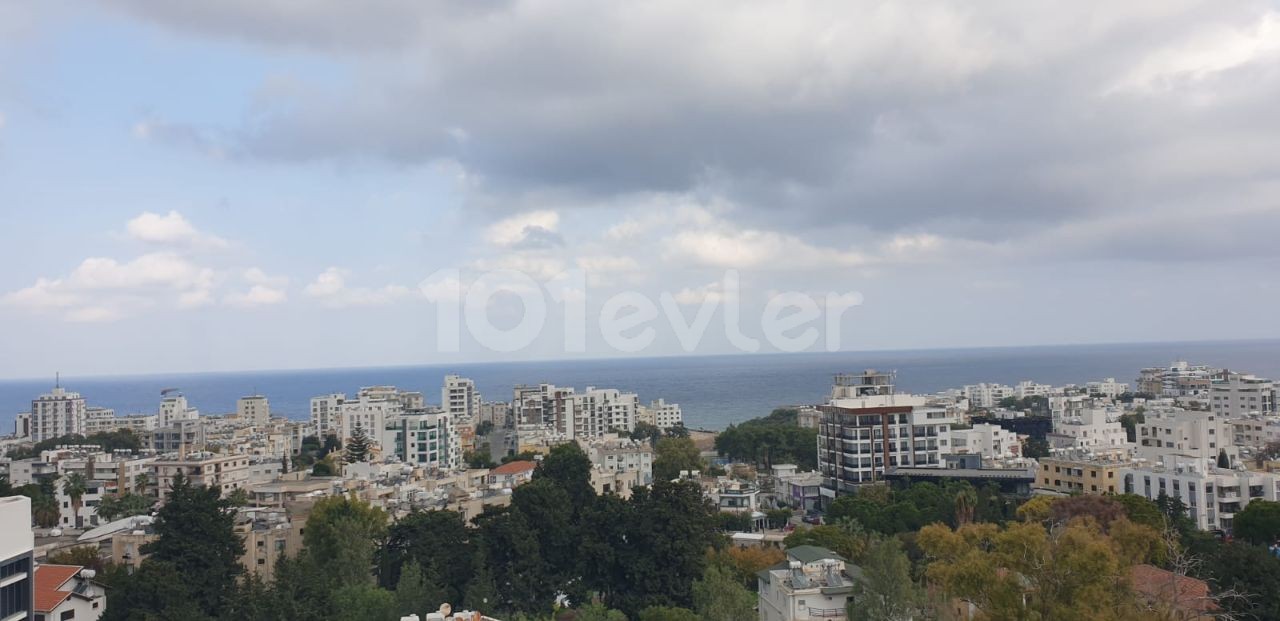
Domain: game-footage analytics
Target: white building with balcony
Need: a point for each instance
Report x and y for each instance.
(812, 584)
(1212, 495)
(988, 440)
(1240, 395)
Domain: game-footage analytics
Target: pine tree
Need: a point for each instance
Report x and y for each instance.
(359, 447)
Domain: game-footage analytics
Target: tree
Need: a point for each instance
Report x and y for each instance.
(966, 501)
(239, 497)
(322, 469)
(513, 557)
(845, 538)
(1258, 522)
(885, 591)
(478, 459)
(437, 541)
(141, 482)
(343, 532)
(667, 613)
(156, 591)
(746, 562)
(359, 602)
(646, 431)
(84, 556)
(416, 593)
(1140, 510)
(75, 487)
(548, 511)
(45, 511)
(673, 455)
(569, 469)
(118, 506)
(1035, 448)
(359, 446)
(718, 596)
(1103, 509)
(596, 611)
(773, 439)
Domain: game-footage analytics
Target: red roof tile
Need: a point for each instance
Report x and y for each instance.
(48, 579)
(514, 467)
(1157, 584)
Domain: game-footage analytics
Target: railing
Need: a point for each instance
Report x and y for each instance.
(827, 613)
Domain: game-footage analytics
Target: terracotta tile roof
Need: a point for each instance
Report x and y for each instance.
(514, 467)
(1184, 592)
(48, 579)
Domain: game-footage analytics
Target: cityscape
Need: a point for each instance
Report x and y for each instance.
(639, 310)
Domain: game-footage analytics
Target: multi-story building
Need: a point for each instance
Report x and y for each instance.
(181, 435)
(56, 413)
(225, 472)
(661, 414)
(1076, 472)
(1108, 387)
(544, 404)
(814, 585)
(1255, 431)
(1062, 407)
(1095, 429)
(423, 438)
(268, 535)
(985, 439)
(1179, 379)
(326, 413)
(137, 423)
(1239, 394)
(253, 409)
(1028, 388)
(409, 400)
(1187, 433)
(1212, 495)
(598, 411)
(866, 429)
(369, 412)
(174, 408)
(17, 567)
(495, 413)
(986, 395)
(459, 398)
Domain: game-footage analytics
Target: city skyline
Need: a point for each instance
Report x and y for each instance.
(219, 186)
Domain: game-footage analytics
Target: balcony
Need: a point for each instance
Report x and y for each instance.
(826, 613)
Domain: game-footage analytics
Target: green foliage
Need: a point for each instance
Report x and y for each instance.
(667, 613)
(1258, 522)
(110, 441)
(75, 487)
(361, 602)
(672, 455)
(1130, 422)
(84, 556)
(514, 558)
(1243, 569)
(116, 506)
(1139, 510)
(359, 446)
(886, 591)
(778, 518)
(484, 428)
(734, 522)
(646, 431)
(776, 438)
(598, 612)
(343, 531)
(846, 538)
(1035, 448)
(418, 593)
(157, 591)
(437, 542)
(478, 459)
(718, 596)
(323, 469)
(569, 469)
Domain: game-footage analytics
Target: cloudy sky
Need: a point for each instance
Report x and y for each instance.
(247, 184)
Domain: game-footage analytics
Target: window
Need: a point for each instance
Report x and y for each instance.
(70, 614)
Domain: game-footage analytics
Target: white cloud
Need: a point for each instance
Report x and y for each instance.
(257, 295)
(103, 289)
(520, 228)
(171, 229)
(330, 288)
(1215, 49)
(726, 247)
(256, 276)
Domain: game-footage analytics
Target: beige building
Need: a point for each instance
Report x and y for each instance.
(226, 472)
(1068, 475)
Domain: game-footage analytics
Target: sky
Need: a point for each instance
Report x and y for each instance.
(255, 184)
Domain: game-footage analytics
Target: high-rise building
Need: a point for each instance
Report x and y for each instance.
(459, 398)
(326, 413)
(57, 413)
(174, 408)
(598, 411)
(866, 429)
(1179, 379)
(423, 438)
(1239, 394)
(254, 409)
(17, 546)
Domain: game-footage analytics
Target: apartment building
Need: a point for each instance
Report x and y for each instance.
(17, 547)
(866, 429)
(1075, 472)
(1096, 429)
(369, 412)
(1255, 431)
(1179, 379)
(1213, 495)
(598, 411)
(1240, 394)
(1108, 387)
(174, 408)
(422, 438)
(137, 423)
(812, 584)
(1028, 388)
(986, 439)
(543, 404)
(459, 398)
(326, 413)
(663, 415)
(1189, 433)
(182, 435)
(56, 413)
(225, 472)
(268, 535)
(986, 395)
(253, 409)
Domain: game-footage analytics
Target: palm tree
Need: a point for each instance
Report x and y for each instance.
(141, 482)
(44, 509)
(74, 486)
(966, 502)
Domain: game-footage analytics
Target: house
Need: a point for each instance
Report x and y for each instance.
(67, 593)
(511, 474)
(1180, 597)
(812, 584)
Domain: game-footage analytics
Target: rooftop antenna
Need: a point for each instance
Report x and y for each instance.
(57, 379)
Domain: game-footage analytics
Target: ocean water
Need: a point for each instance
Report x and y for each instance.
(713, 391)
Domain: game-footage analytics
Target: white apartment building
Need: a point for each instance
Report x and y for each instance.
(988, 440)
(225, 472)
(1185, 433)
(56, 413)
(986, 395)
(1108, 387)
(867, 429)
(368, 413)
(17, 547)
(661, 414)
(1255, 431)
(815, 585)
(459, 398)
(1062, 407)
(543, 404)
(409, 400)
(253, 409)
(421, 438)
(1179, 379)
(1213, 495)
(326, 413)
(1028, 388)
(174, 408)
(137, 423)
(1095, 429)
(598, 411)
(1240, 395)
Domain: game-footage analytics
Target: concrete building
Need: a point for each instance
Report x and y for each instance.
(1096, 429)
(459, 398)
(326, 413)
(225, 472)
(17, 546)
(1075, 472)
(1254, 431)
(511, 474)
(1187, 433)
(812, 584)
(1241, 395)
(67, 592)
(421, 438)
(629, 463)
(496, 413)
(182, 435)
(370, 412)
(137, 423)
(543, 404)
(174, 408)
(253, 409)
(1213, 495)
(867, 429)
(1108, 388)
(661, 414)
(1028, 388)
(56, 413)
(1179, 379)
(986, 395)
(268, 535)
(599, 411)
(986, 439)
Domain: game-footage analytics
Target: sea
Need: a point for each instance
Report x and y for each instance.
(713, 391)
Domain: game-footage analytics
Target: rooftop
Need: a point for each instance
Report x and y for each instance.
(514, 467)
